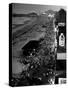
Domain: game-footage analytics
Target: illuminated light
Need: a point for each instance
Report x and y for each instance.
(62, 40)
(61, 24)
(51, 15)
(30, 54)
(34, 49)
(44, 13)
(40, 78)
(31, 66)
(28, 75)
(43, 74)
(47, 74)
(61, 56)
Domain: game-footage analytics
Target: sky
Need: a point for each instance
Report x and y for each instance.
(27, 8)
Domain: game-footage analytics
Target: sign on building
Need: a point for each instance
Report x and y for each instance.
(61, 40)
